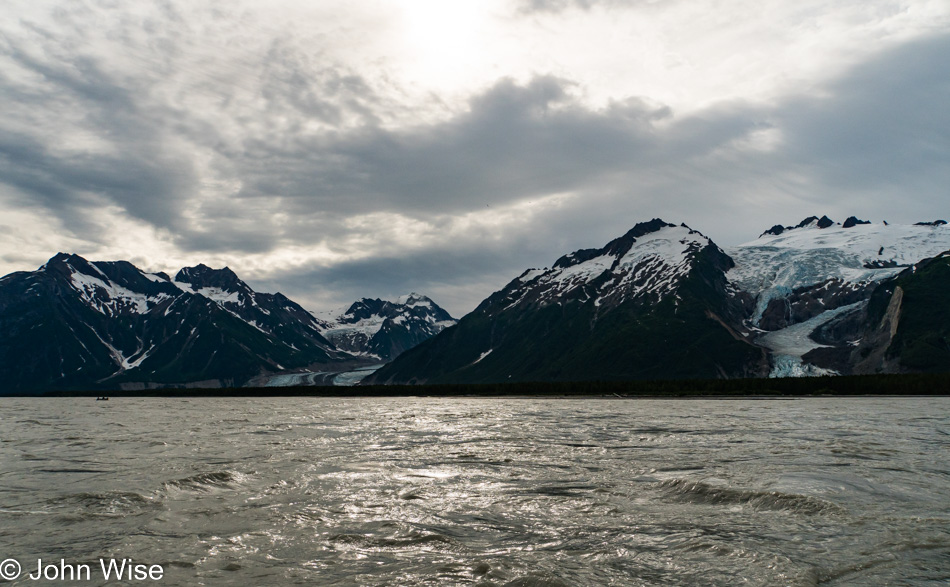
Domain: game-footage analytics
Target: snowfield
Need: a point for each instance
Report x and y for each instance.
(810, 255)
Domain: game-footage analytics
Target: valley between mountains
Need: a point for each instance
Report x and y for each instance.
(662, 301)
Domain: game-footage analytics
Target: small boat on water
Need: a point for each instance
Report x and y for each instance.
(102, 399)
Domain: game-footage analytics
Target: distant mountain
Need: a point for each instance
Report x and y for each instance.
(654, 303)
(818, 273)
(74, 324)
(382, 330)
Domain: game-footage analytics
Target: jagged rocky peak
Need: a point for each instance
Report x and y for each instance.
(65, 265)
(775, 230)
(853, 221)
(202, 276)
(91, 275)
(623, 244)
(813, 222)
(369, 308)
(61, 258)
(414, 299)
(363, 308)
(615, 248)
(63, 261)
(823, 222)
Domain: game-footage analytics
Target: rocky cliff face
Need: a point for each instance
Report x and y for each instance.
(904, 327)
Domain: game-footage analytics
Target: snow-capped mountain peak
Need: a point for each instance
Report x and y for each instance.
(647, 262)
(384, 329)
(633, 308)
(860, 246)
(413, 299)
(776, 264)
(111, 288)
(219, 285)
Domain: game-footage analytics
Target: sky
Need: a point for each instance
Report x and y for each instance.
(333, 150)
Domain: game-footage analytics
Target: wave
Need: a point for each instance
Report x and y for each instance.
(536, 580)
(697, 492)
(414, 539)
(108, 504)
(204, 482)
(75, 470)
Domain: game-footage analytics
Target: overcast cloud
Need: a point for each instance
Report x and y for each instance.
(338, 150)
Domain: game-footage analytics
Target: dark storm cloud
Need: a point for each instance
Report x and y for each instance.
(514, 142)
(138, 171)
(302, 84)
(382, 276)
(149, 137)
(457, 274)
(885, 125)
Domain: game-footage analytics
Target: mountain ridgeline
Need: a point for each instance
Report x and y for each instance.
(75, 324)
(663, 301)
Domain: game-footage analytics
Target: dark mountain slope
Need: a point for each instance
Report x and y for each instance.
(653, 303)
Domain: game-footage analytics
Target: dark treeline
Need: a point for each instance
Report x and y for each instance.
(911, 384)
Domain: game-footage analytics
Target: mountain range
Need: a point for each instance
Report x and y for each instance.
(75, 324)
(662, 301)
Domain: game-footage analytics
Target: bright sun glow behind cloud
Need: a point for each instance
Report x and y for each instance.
(444, 43)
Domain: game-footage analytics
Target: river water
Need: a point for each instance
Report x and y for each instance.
(516, 492)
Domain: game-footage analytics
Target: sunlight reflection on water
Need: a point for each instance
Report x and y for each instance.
(511, 492)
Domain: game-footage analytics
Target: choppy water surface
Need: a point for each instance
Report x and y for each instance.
(511, 492)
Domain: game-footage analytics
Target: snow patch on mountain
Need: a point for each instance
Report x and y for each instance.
(343, 321)
(219, 295)
(216, 294)
(155, 277)
(108, 298)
